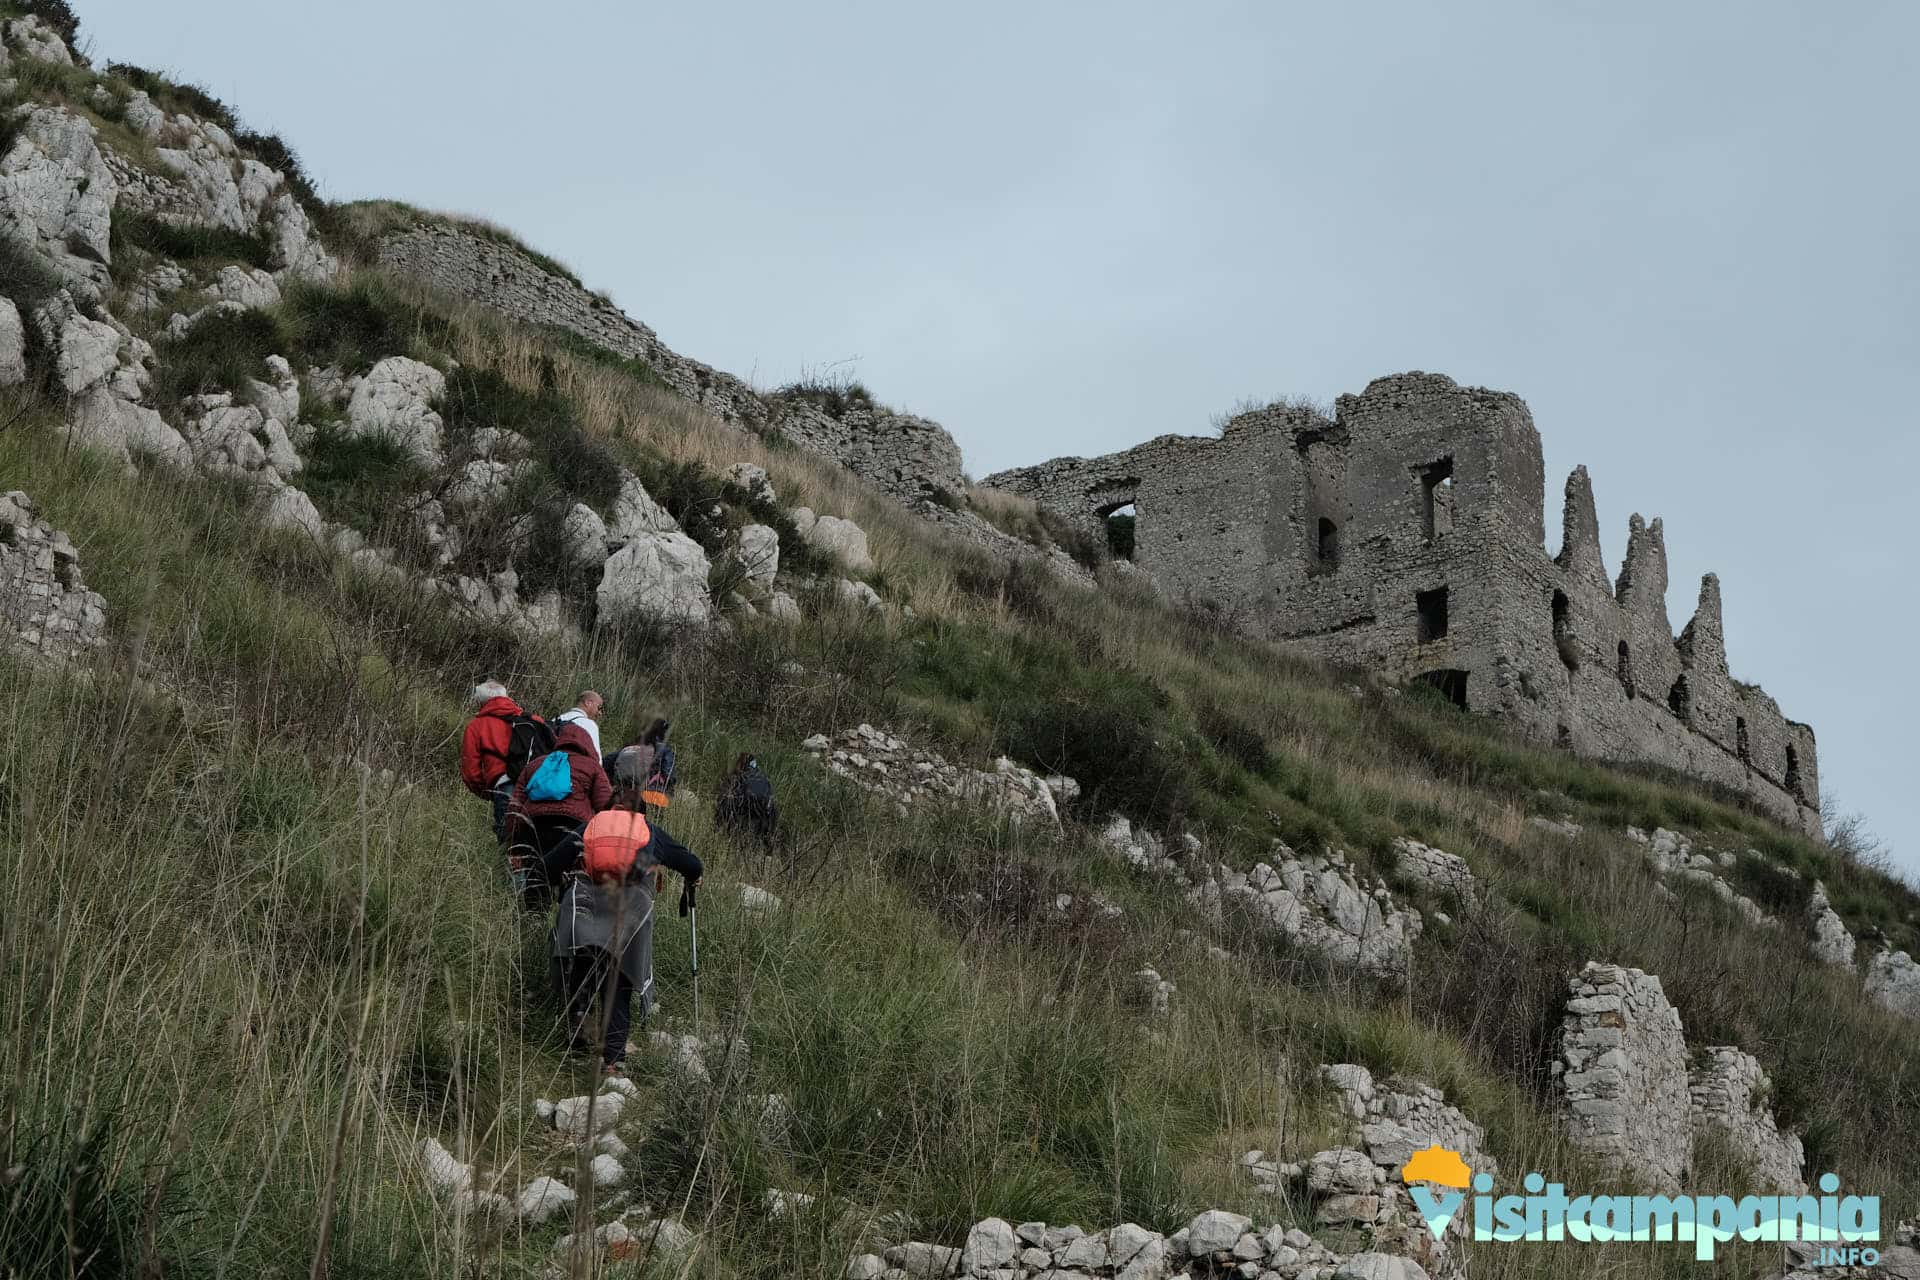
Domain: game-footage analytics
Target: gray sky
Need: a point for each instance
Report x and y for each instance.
(1685, 234)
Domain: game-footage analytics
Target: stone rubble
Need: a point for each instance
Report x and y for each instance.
(45, 606)
(1216, 1243)
(1445, 875)
(1728, 1093)
(890, 768)
(1671, 855)
(1316, 903)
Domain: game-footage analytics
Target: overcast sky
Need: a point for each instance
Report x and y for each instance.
(1685, 234)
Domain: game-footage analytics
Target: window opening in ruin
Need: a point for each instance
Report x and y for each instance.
(1436, 498)
(1327, 544)
(1793, 775)
(1563, 737)
(1563, 631)
(1740, 740)
(1432, 606)
(1451, 683)
(1680, 700)
(1626, 669)
(1122, 522)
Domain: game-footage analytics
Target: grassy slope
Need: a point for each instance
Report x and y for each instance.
(243, 977)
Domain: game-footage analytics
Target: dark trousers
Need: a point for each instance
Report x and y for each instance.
(586, 976)
(502, 794)
(542, 854)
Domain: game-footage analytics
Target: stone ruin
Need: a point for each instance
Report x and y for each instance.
(1625, 1074)
(1635, 1098)
(1405, 534)
(45, 607)
(906, 456)
(1728, 1094)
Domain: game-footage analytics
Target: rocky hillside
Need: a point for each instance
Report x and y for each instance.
(1098, 942)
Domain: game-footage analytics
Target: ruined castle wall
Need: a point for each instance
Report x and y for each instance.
(909, 457)
(1342, 536)
(1204, 509)
(46, 610)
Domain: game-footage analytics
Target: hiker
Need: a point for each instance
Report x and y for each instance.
(585, 712)
(607, 912)
(745, 807)
(649, 761)
(499, 741)
(555, 797)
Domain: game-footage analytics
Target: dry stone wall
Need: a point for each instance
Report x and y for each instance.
(1729, 1093)
(1624, 1074)
(908, 457)
(45, 607)
(1405, 534)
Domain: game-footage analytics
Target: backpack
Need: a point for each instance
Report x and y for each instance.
(528, 738)
(553, 780)
(747, 806)
(616, 844)
(649, 765)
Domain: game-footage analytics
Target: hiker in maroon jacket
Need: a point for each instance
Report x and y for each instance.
(544, 835)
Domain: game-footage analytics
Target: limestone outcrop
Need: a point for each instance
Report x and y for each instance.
(892, 768)
(1832, 942)
(1893, 979)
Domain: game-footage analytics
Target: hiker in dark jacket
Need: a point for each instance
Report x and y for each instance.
(744, 808)
(545, 833)
(607, 912)
(484, 748)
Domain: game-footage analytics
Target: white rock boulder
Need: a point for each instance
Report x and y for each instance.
(395, 401)
(656, 574)
(758, 556)
(57, 194)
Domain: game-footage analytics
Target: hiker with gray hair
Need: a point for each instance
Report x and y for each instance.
(497, 744)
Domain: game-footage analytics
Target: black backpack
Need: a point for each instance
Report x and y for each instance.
(746, 806)
(528, 738)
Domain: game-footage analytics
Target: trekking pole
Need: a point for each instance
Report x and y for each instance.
(690, 908)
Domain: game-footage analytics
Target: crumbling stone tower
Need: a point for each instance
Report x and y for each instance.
(1405, 535)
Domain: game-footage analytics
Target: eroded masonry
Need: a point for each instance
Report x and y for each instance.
(1405, 535)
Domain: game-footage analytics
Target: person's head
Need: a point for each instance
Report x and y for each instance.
(743, 762)
(571, 737)
(627, 795)
(487, 691)
(590, 704)
(656, 733)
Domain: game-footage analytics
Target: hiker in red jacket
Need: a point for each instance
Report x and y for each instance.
(499, 741)
(544, 832)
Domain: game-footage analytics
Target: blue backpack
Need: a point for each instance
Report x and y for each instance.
(553, 780)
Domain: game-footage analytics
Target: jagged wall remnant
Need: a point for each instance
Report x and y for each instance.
(1405, 534)
(908, 457)
(45, 608)
(1624, 1073)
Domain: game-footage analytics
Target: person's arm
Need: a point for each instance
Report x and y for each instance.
(677, 857)
(599, 790)
(470, 760)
